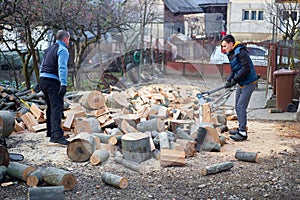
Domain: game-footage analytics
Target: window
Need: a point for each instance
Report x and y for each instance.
(289, 15)
(260, 15)
(253, 15)
(294, 15)
(245, 15)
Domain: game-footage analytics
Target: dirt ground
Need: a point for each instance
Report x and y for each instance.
(276, 175)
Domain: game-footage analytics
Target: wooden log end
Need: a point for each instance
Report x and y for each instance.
(123, 183)
(32, 181)
(69, 181)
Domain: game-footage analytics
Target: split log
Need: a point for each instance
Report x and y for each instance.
(99, 156)
(183, 135)
(46, 193)
(118, 100)
(222, 140)
(89, 125)
(2, 172)
(164, 142)
(212, 135)
(170, 157)
(59, 177)
(19, 171)
(206, 112)
(126, 127)
(29, 121)
(7, 123)
(35, 177)
(246, 156)
(155, 124)
(92, 100)
(116, 131)
(4, 156)
(106, 139)
(81, 147)
(201, 135)
(114, 180)
(213, 169)
(188, 145)
(128, 164)
(136, 147)
(183, 124)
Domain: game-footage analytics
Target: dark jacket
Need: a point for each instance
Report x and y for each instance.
(242, 68)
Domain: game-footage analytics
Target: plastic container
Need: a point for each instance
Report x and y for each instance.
(284, 80)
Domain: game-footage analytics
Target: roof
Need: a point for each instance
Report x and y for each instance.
(182, 6)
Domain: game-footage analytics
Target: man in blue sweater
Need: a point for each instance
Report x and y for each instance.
(53, 83)
(242, 73)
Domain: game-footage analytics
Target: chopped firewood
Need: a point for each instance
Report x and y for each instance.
(46, 193)
(90, 125)
(39, 127)
(188, 146)
(169, 157)
(92, 100)
(29, 121)
(213, 169)
(99, 156)
(164, 140)
(246, 156)
(231, 118)
(114, 180)
(19, 171)
(128, 164)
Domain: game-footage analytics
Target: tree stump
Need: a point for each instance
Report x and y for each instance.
(92, 100)
(136, 147)
(155, 124)
(7, 123)
(246, 156)
(4, 156)
(81, 147)
(114, 180)
(213, 169)
(59, 177)
(46, 193)
(89, 125)
(99, 156)
(19, 171)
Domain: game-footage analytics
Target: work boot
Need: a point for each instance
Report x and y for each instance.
(60, 140)
(234, 132)
(239, 136)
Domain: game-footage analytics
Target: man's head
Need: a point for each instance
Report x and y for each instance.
(227, 43)
(63, 36)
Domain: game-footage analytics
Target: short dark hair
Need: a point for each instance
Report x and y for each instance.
(61, 34)
(228, 38)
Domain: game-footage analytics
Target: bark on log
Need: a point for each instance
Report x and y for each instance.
(212, 135)
(164, 142)
(81, 147)
(213, 169)
(4, 156)
(92, 100)
(46, 193)
(170, 157)
(3, 170)
(183, 135)
(89, 125)
(136, 147)
(246, 156)
(59, 177)
(222, 140)
(155, 124)
(188, 145)
(114, 180)
(99, 156)
(106, 139)
(118, 100)
(128, 164)
(19, 171)
(211, 147)
(7, 123)
(201, 135)
(35, 177)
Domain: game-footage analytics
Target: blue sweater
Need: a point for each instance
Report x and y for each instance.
(55, 63)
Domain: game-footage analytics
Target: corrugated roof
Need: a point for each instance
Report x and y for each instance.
(182, 6)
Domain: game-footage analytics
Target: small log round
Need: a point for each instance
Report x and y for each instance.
(35, 177)
(213, 169)
(81, 147)
(155, 124)
(114, 180)
(4, 156)
(106, 139)
(7, 123)
(92, 100)
(246, 156)
(59, 177)
(99, 156)
(46, 193)
(19, 171)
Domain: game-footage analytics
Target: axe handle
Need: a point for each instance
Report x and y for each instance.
(214, 90)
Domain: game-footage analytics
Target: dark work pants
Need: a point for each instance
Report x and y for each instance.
(242, 100)
(55, 105)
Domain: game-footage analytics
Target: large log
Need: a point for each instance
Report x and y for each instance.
(99, 156)
(4, 156)
(3, 170)
(170, 157)
(7, 123)
(155, 124)
(46, 193)
(89, 125)
(128, 164)
(246, 156)
(19, 171)
(81, 147)
(213, 169)
(136, 147)
(35, 177)
(92, 100)
(114, 180)
(59, 177)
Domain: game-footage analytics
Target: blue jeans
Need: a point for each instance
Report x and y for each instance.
(242, 100)
(55, 106)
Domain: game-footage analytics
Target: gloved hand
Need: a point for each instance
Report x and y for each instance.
(63, 90)
(230, 84)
